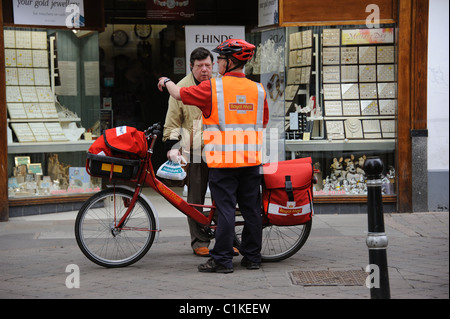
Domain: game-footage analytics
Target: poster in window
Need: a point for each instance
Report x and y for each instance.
(170, 10)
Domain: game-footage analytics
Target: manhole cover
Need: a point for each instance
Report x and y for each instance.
(329, 278)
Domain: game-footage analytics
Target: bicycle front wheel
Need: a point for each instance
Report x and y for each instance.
(102, 241)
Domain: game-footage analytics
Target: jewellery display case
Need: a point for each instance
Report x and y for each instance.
(52, 100)
(340, 103)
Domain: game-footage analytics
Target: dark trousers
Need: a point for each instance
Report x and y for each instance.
(230, 186)
(197, 185)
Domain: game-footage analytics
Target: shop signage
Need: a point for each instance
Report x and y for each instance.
(267, 12)
(367, 36)
(170, 9)
(69, 13)
(210, 38)
(179, 65)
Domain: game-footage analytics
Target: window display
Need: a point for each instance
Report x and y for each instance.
(46, 143)
(340, 103)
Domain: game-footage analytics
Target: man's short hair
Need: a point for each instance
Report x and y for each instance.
(200, 54)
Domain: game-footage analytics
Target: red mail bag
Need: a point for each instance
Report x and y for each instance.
(287, 192)
(122, 141)
(117, 154)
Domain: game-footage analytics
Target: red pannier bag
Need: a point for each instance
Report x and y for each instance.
(122, 141)
(287, 192)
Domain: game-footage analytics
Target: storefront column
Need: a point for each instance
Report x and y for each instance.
(419, 129)
(4, 210)
(412, 103)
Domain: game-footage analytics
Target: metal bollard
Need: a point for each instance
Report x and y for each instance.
(377, 240)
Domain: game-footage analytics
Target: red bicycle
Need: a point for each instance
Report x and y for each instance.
(117, 226)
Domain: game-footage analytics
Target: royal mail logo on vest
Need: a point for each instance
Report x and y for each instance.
(241, 105)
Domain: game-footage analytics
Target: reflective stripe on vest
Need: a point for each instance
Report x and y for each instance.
(235, 144)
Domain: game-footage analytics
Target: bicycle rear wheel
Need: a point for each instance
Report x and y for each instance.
(107, 245)
(279, 242)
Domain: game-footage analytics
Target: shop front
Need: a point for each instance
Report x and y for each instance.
(95, 76)
(49, 103)
(343, 84)
(347, 81)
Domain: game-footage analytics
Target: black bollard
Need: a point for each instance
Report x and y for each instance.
(377, 240)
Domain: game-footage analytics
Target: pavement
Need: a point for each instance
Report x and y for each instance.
(39, 259)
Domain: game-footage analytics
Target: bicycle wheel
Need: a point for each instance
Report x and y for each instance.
(279, 242)
(107, 245)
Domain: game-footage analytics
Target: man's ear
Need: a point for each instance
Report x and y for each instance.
(191, 66)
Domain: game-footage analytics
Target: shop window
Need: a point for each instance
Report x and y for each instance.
(132, 58)
(338, 101)
(52, 95)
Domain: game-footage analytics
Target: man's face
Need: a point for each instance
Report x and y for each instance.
(202, 69)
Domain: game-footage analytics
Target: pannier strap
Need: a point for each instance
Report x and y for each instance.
(289, 189)
(111, 172)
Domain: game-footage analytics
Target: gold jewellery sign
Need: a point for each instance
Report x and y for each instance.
(69, 13)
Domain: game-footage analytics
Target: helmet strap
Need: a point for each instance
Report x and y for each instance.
(235, 67)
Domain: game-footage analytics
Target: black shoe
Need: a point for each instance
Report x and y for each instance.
(212, 266)
(247, 263)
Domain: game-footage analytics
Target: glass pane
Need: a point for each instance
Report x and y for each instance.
(339, 101)
(52, 85)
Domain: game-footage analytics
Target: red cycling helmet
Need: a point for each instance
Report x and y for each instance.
(237, 48)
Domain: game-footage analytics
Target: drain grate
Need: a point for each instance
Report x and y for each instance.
(329, 278)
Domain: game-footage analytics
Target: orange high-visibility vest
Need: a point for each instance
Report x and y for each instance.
(233, 132)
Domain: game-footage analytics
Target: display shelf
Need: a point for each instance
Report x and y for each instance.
(350, 145)
(349, 199)
(378, 117)
(20, 148)
(61, 120)
(51, 199)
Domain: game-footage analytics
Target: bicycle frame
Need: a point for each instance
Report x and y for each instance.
(93, 227)
(146, 176)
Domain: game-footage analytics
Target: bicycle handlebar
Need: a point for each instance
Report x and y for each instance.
(155, 129)
(152, 133)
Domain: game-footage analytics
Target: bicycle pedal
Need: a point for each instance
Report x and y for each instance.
(210, 232)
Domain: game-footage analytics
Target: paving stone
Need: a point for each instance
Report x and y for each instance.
(35, 251)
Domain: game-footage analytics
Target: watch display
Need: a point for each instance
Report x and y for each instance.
(119, 38)
(143, 31)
